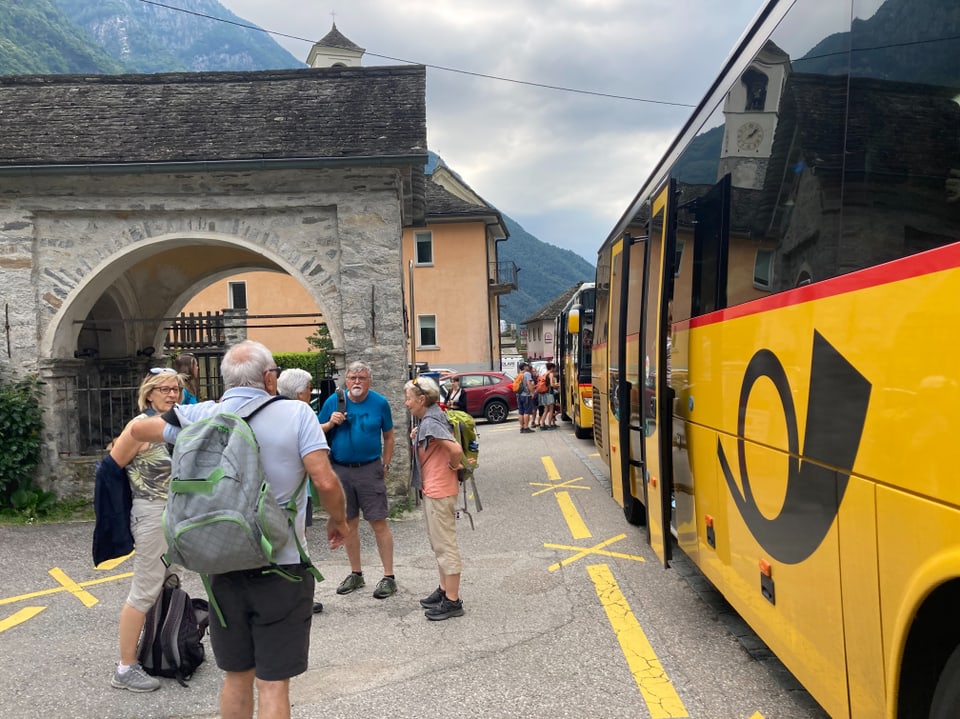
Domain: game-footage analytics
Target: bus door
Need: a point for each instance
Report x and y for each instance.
(626, 417)
(657, 402)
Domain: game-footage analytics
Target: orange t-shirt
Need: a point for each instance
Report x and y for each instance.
(438, 479)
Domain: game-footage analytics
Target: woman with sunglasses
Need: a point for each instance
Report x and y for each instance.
(148, 469)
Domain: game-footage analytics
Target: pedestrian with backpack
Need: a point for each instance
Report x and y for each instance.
(148, 471)
(526, 398)
(437, 457)
(360, 450)
(264, 638)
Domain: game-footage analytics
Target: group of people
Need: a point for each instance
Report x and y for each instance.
(346, 452)
(537, 398)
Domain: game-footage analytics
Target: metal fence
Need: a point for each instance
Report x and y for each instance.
(103, 400)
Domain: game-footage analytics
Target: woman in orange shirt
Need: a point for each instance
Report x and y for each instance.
(437, 457)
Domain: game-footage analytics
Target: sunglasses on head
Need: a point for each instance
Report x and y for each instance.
(162, 370)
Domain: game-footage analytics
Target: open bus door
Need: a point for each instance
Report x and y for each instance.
(655, 391)
(626, 416)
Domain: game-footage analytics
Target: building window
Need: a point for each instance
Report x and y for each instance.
(237, 295)
(424, 249)
(763, 269)
(678, 256)
(427, 330)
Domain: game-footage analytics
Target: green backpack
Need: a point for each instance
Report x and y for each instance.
(465, 432)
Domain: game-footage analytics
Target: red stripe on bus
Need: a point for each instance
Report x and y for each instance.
(923, 263)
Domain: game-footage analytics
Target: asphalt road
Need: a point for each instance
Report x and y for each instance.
(568, 614)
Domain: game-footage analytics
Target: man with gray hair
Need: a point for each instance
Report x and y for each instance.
(361, 447)
(266, 640)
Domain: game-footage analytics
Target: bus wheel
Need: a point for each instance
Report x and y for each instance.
(946, 697)
(634, 511)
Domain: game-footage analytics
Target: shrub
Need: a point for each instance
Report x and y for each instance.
(21, 426)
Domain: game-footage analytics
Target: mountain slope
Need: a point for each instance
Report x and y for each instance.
(38, 38)
(152, 38)
(546, 271)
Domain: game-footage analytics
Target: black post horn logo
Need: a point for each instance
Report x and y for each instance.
(836, 411)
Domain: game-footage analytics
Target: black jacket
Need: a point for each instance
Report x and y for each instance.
(112, 502)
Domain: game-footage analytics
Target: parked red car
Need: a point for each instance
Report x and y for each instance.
(489, 394)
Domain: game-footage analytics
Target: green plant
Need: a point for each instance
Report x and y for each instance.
(317, 361)
(402, 504)
(21, 424)
(321, 342)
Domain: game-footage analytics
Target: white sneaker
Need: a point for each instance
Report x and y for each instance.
(135, 679)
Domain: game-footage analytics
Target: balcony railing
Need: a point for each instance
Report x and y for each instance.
(503, 278)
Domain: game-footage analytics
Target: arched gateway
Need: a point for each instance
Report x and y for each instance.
(121, 196)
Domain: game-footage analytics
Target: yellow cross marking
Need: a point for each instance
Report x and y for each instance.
(55, 590)
(568, 484)
(552, 474)
(655, 686)
(595, 549)
(71, 586)
(19, 617)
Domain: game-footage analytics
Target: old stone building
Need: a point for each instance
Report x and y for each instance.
(121, 196)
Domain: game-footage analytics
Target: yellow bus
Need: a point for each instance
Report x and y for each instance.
(777, 356)
(573, 348)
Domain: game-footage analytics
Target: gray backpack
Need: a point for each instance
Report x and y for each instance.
(221, 515)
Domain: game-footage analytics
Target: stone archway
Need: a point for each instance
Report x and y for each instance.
(114, 268)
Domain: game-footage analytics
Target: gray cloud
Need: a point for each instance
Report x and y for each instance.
(563, 165)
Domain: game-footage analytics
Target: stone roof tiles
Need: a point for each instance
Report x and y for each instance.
(338, 113)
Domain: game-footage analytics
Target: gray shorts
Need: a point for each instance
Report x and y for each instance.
(365, 489)
(149, 571)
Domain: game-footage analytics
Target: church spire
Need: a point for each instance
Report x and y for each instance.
(334, 50)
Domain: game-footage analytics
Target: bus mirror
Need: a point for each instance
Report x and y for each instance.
(573, 321)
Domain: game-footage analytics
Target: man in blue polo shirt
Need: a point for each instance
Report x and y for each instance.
(361, 446)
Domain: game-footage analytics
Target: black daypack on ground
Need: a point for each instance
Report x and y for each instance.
(172, 641)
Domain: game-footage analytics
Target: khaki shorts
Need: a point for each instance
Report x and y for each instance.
(441, 516)
(149, 571)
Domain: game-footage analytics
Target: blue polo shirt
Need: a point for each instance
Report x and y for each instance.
(359, 439)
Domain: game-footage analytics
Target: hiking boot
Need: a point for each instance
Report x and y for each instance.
(135, 679)
(317, 607)
(385, 588)
(434, 600)
(446, 610)
(352, 583)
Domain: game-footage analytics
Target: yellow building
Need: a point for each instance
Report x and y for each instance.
(457, 282)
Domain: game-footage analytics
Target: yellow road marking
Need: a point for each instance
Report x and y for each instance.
(568, 484)
(658, 692)
(19, 617)
(574, 521)
(595, 549)
(55, 590)
(757, 715)
(552, 474)
(113, 563)
(71, 586)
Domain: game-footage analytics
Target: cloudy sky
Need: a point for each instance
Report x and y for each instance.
(565, 165)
